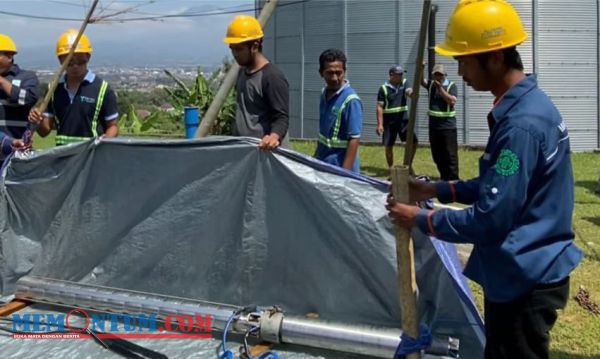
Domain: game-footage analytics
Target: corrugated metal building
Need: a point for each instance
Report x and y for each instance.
(375, 34)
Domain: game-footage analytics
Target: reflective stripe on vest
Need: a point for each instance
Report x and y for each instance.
(449, 112)
(392, 109)
(66, 139)
(334, 141)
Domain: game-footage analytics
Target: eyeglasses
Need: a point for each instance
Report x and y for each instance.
(6, 54)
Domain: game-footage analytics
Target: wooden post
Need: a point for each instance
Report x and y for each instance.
(405, 257)
(416, 86)
(13, 306)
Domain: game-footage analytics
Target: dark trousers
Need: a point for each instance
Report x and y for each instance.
(444, 150)
(521, 329)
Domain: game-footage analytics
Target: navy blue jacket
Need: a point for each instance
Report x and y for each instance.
(15, 106)
(521, 219)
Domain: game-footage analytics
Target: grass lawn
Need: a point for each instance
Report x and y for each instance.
(577, 332)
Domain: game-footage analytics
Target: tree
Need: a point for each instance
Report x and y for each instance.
(201, 94)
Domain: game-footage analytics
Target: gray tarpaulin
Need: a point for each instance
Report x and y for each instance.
(218, 219)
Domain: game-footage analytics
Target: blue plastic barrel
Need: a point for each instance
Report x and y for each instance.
(192, 120)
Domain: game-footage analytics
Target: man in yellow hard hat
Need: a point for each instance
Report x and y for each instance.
(18, 93)
(83, 105)
(442, 122)
(520, 222)
(262, 89)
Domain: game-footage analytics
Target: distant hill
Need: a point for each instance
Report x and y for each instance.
(124, 55)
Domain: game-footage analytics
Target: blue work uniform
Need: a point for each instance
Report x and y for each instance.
(521, 220)
(340, 120)
(15, 106)
(82, 115)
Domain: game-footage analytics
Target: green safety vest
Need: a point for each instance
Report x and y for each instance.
(66, 139)
(449, 112)
(334, 141)
(392, 109)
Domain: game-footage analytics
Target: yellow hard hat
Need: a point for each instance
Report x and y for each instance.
(478, 26)
(6, 44)
(63, 45)
(243, 28)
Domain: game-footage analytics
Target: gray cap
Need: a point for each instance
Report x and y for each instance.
(397, 70)
(439, 68)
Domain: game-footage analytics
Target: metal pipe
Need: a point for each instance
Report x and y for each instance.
(111, 300)
(366, 340)
(274, 326)
(215, 106)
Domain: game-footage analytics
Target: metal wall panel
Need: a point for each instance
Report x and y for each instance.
(479, 105)
(369, 48)
(567, 39)
(292, 73)
(565, 80)
(311, 127)
(288, 19)
(311, 114)
(314, 45)
(324, 17)
(295, 124)
(288, 50)
(565, 46)
(368, 78)
(379, 33)
(371, 16)
(525, 10)
(312, 80)
(311, 105)
(269, 48)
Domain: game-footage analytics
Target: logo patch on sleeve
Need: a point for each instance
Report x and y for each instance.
(508, 163)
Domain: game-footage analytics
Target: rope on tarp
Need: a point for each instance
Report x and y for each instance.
(409, 345)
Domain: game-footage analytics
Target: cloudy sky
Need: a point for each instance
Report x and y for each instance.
(191, 34)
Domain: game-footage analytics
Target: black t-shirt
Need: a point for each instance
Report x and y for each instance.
(73, 117)
(262, 103)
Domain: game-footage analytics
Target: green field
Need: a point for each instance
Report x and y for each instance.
(577, 333)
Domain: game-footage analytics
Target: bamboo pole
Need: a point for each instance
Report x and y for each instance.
(407, 283)
(410, 130)
(210, 116)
